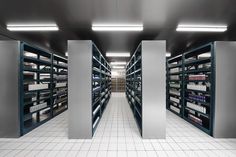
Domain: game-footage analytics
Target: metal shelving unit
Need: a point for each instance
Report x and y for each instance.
(118, 84)
(40, 95)
(145, 96)
(190, 86)
(101, 86)
(134, 85)
(89, 88)
(35, 87)
(60, 87)
(198, 83)
(174, 85)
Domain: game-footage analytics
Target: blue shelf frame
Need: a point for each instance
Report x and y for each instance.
(103, 80)
(29, 123)
(134, 69)
(209, 47)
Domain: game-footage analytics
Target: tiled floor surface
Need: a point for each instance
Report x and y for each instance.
(117, 135)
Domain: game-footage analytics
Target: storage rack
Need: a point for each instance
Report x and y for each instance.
(60, 90)
(134, 85)
(101, 86)
(89, 88)
(145, 96)
(175, 85)
(198, 86)
(196, 83)
(37, 86)
(118, 84)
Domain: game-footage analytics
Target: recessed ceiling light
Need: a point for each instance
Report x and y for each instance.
(117, 27)
(168, 54)
(118, 67)
(201, 28)
(118, 54)
(32, 27)
(118, 63)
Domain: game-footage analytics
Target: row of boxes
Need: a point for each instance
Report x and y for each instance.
(174, 92)
(58, 85)
(196, 107)
(175, 109)
(37, 87)
(195, 119)
(174, 99)
(38, 107)
(174, 85)
(197, 87)
(197, 77)
(197, 97)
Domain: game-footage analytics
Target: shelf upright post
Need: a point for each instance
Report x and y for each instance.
(51, 85)
(21, 88)
(182, 83)
(212, 100)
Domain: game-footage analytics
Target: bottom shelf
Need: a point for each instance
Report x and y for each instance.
(34, 122)
(198, 126)
(98, 117)
(58, 110)
(136, 115)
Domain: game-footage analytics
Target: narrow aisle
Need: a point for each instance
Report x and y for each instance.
(118, 121)
(117, 135)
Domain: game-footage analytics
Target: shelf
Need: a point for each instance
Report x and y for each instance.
(44, 93)
(203, 103)
(60, 66)
(199, 61)
(60, 73)
(175, 66)
(175, 73)
(198, 91)
(139, 59)
(197, 71)
(197, 125)
(36, 70)
(203, 114)
(36, 61)
(35, 101)
(193, 67)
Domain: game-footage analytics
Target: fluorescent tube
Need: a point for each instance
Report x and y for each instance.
(118, 54)
(32, 27)
(201, 28)
(118, 67)
(118, 63)
(116, 27)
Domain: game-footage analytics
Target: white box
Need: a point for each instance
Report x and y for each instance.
(37, 86)
(61, 85)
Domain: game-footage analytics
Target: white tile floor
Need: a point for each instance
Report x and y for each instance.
(117, 136)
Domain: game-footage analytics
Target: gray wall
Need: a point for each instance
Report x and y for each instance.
(9, 107)
(79, 89)
(153, 89)
(225, 106)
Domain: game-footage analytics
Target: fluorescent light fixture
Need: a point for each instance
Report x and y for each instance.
(201, 28)
(32, 27)
(66, 54)
(118, 63)
(117, 27)
(118, 67)
(168, 54)
(118, 54)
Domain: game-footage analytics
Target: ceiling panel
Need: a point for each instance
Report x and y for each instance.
(159, 17)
